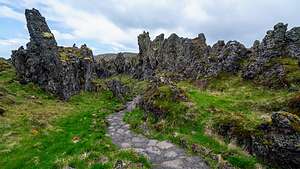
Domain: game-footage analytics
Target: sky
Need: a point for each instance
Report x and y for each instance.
(110, 26)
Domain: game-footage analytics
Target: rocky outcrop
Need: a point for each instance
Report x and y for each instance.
(118, 89)
(264, 66)
(113, 64)
(275, 141)
(61, 71)
(194, 59)
(159, 100)
(189, 58)
(174, 54)
(279, 141)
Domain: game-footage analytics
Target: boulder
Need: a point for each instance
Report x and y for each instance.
(118, 89)
(61, 71)
(160, 99)
(279, 141)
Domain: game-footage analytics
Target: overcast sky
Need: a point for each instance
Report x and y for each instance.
(113, 25)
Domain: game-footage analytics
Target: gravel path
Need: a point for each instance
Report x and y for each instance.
(162, 154)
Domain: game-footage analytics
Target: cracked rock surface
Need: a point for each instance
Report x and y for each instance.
(162, 154)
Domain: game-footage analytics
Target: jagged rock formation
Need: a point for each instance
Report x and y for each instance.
(267, 62)
(278, 43)
(279, 141)
(61, 71)
(113, 64)
(192, 58)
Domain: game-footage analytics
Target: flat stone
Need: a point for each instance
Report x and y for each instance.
(164, 145)
(152, 142)
(125, 145)
(153, 150)
(138, 139)
(120, 131)
(171, 154)
(176, 164)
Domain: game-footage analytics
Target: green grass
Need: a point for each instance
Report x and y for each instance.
(40, 131)
(192, 133)
(227, 100)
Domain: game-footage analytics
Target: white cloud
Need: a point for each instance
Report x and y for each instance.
(7, 45)
(117, 23)
(10, 13)
(86, 25)
(63, 36)
(12, 42)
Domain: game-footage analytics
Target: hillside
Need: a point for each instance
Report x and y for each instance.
(178, 103)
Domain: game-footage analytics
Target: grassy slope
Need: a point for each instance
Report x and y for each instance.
(39, 131)
(225, 100)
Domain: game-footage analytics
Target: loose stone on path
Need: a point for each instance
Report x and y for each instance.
(162, 154)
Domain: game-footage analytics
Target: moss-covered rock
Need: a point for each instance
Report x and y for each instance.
(279, 141)
(74, 53)
(233, 125)
(294, 105)
(163, 101)
(118, 89)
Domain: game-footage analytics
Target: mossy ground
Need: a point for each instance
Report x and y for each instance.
(39, 131)
(226, 100)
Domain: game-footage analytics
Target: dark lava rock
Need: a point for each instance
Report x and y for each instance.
(279, 141)
(114, 64)
(276, 44)
(194, 59)
(118, 89)
(61, 71)
(293, 40)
